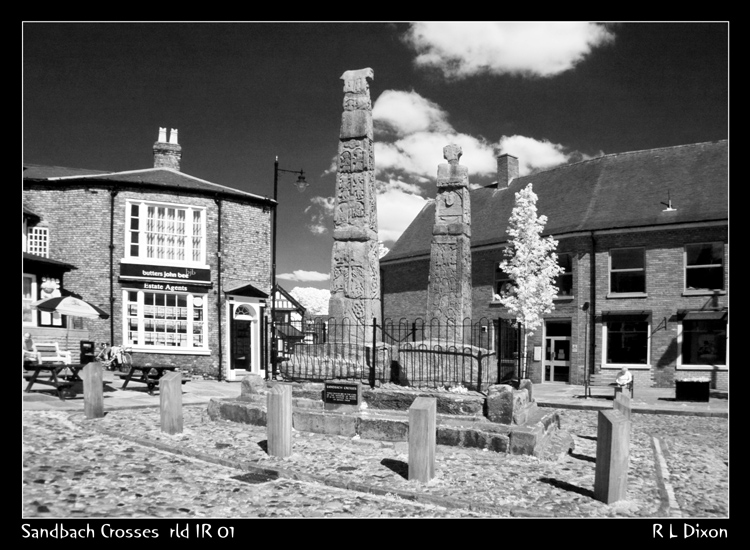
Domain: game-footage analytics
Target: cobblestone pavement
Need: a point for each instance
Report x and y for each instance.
(123, 466)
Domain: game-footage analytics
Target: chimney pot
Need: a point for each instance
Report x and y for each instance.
(167, 154)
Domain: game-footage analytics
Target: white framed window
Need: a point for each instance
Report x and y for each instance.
(165, 233)
(626, 341)
(28, 295)
(704, 267)
(165, 321)
(627, 271)
(37, 241)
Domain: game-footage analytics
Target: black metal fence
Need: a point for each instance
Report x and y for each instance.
(472, 353)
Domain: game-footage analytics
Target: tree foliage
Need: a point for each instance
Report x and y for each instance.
(315, 300)
(531, 262)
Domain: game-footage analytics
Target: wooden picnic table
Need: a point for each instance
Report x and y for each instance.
(58, 377)
(146, 374)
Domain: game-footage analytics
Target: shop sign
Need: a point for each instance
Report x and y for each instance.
(165, 273)
(167, 287)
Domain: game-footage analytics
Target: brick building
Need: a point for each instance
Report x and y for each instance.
(182, 265)
(655, 296)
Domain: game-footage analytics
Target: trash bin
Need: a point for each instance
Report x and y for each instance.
(88, 353)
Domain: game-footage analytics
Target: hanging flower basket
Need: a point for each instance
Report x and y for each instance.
(692, 389)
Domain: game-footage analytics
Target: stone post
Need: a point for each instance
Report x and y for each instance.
(279, 420)
(622, 404)
(170, 402)
(355, 264)
(93, 390)
(422, 439)
(612, 455)
(449, 289)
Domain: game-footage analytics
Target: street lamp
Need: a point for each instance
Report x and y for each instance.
(301, 185)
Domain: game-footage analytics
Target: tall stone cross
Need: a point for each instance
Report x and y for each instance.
(449, 288)
(355, 264)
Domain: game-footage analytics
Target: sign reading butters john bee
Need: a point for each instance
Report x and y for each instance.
(342, 394)
(165, 273)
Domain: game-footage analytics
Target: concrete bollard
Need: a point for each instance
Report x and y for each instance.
(622, 404)
(422, 439)
(170, 402)
(612, 455)
(279, 420)
(93, 390)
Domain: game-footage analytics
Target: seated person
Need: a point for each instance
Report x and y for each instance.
(28, 349)
(624, 377)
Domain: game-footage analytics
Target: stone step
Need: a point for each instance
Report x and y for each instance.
(531, 438)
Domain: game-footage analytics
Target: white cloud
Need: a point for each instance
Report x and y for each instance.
(407, 113)
(304, 276)
(533, 154)
(396, 210)
(321, 211)
(465, 49)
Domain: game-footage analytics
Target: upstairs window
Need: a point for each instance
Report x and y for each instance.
(627, 271)
(37, 241)
(704, 266)
(166, 234)
(503, 282)
(564, 281)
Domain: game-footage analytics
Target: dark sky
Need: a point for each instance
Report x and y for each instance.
(95, 95)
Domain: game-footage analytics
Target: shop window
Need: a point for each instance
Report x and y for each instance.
(564, 281)
(174, 234)
(627, 342)
(704, 266)
(627, 271)
(165, 320)
(704, 342)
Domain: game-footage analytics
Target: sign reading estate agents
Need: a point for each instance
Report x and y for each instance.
(165, 273)
(341, 393)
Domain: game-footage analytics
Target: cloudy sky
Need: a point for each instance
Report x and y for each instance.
(240, 94)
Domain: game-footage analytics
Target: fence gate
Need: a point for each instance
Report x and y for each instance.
(509, 344)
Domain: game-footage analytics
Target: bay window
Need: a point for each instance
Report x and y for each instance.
(163, 320)
(162, 233)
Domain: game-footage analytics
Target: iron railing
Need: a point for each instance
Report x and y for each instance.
(472, 353)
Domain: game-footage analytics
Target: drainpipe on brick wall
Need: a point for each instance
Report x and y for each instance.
(592, 310)
(112, 195)
(218, 285)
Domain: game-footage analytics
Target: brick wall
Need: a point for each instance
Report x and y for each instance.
(405, 288)
(79, 221)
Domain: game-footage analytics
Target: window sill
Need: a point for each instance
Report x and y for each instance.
(704, 292)
(495, 304)
(631, 366)
(702, 367)
(170, 350)
(567, 298)
(617, 295)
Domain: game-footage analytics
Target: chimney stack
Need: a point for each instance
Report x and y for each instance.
(507, 170)
(167, 154)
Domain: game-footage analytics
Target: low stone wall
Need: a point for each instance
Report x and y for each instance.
(430, 363)
(337, 361)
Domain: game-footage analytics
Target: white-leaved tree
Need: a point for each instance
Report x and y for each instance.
(315, 300)
(531, 263)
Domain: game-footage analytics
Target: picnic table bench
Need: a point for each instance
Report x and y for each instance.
(61, 376)
(149, 375)
(605, 379)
